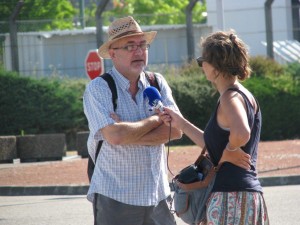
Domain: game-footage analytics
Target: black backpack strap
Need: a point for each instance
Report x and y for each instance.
(151, 77)
(91, 164)
(112, 85)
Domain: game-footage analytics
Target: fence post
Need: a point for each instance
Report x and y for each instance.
(14, 37)
(99, 30)
(189, 29)
(269, 28)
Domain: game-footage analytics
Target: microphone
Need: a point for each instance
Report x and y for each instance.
(154, 98)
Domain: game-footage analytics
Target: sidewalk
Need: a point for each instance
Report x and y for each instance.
(278, 164)
(282, 202)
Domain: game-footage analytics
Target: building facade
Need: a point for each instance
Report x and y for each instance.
(247, 18)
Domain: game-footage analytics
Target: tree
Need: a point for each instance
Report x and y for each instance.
(39, 14)
(148, 12)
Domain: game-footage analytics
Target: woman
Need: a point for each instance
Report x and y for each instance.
(233, 130)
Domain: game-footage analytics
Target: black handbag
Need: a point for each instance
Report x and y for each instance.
(192, 187)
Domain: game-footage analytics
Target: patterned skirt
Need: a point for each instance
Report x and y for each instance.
(236, 208)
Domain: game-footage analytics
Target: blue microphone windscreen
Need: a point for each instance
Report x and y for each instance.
(152, 94)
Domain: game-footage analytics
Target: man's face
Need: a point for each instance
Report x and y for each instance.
(130, 55)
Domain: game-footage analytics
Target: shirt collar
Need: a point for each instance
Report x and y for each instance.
(123, 82)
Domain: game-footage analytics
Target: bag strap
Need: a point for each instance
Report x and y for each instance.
(112, 86)
(202, 154)
(151, 77)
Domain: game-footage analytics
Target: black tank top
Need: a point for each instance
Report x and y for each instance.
(230, 177)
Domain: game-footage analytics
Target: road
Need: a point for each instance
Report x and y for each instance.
(283, 205)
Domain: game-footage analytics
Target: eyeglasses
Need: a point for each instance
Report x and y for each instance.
(200, 60)
(131, 48)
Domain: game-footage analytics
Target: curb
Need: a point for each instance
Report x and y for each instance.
(278, 181)
(43, 190)
(83, 189)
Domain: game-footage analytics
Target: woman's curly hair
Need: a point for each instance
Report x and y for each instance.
(227, 53)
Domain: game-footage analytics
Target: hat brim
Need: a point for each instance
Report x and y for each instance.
(103, 50)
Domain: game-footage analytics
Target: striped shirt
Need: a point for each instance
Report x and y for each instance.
(131, 174)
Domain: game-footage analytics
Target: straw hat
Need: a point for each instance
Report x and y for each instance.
(121, 28)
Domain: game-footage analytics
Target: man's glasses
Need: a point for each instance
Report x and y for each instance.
(131, 48)
(200, 60)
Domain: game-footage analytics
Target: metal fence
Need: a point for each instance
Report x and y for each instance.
(63, 53)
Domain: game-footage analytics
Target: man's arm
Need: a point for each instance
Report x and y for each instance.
(121, 133)
(159, 135)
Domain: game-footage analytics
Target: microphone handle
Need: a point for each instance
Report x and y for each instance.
(157, 104)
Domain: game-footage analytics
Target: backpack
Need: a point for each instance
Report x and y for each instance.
(151, 77)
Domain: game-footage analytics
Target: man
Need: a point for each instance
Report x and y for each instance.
(129, 185)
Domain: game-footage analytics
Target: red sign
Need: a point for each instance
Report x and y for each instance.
(93, 64)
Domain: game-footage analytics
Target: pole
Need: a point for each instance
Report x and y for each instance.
(13, 33)
(81, 8)
(190, 30)
(220, 14)
(269, 28)
(99, 29)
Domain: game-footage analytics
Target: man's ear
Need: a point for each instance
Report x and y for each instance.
(111, 53)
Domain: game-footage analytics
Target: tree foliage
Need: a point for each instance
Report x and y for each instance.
(149, 12)
(37, 15)
(55, 14)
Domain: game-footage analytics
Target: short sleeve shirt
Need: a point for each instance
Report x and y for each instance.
(131, 174)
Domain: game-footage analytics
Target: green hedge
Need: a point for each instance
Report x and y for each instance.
(53, 105)
(35, 106)
(279, 101)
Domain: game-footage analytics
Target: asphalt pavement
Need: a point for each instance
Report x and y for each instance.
(283, 204)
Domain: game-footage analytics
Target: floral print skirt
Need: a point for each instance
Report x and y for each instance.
(236, 208)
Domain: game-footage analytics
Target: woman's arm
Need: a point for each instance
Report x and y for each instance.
(238, 157)
(232, 115)
(179, 122)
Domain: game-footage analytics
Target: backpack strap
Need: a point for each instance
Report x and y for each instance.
(112, 85)
(151, 77)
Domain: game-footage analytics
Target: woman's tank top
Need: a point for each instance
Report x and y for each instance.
(230, 177)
